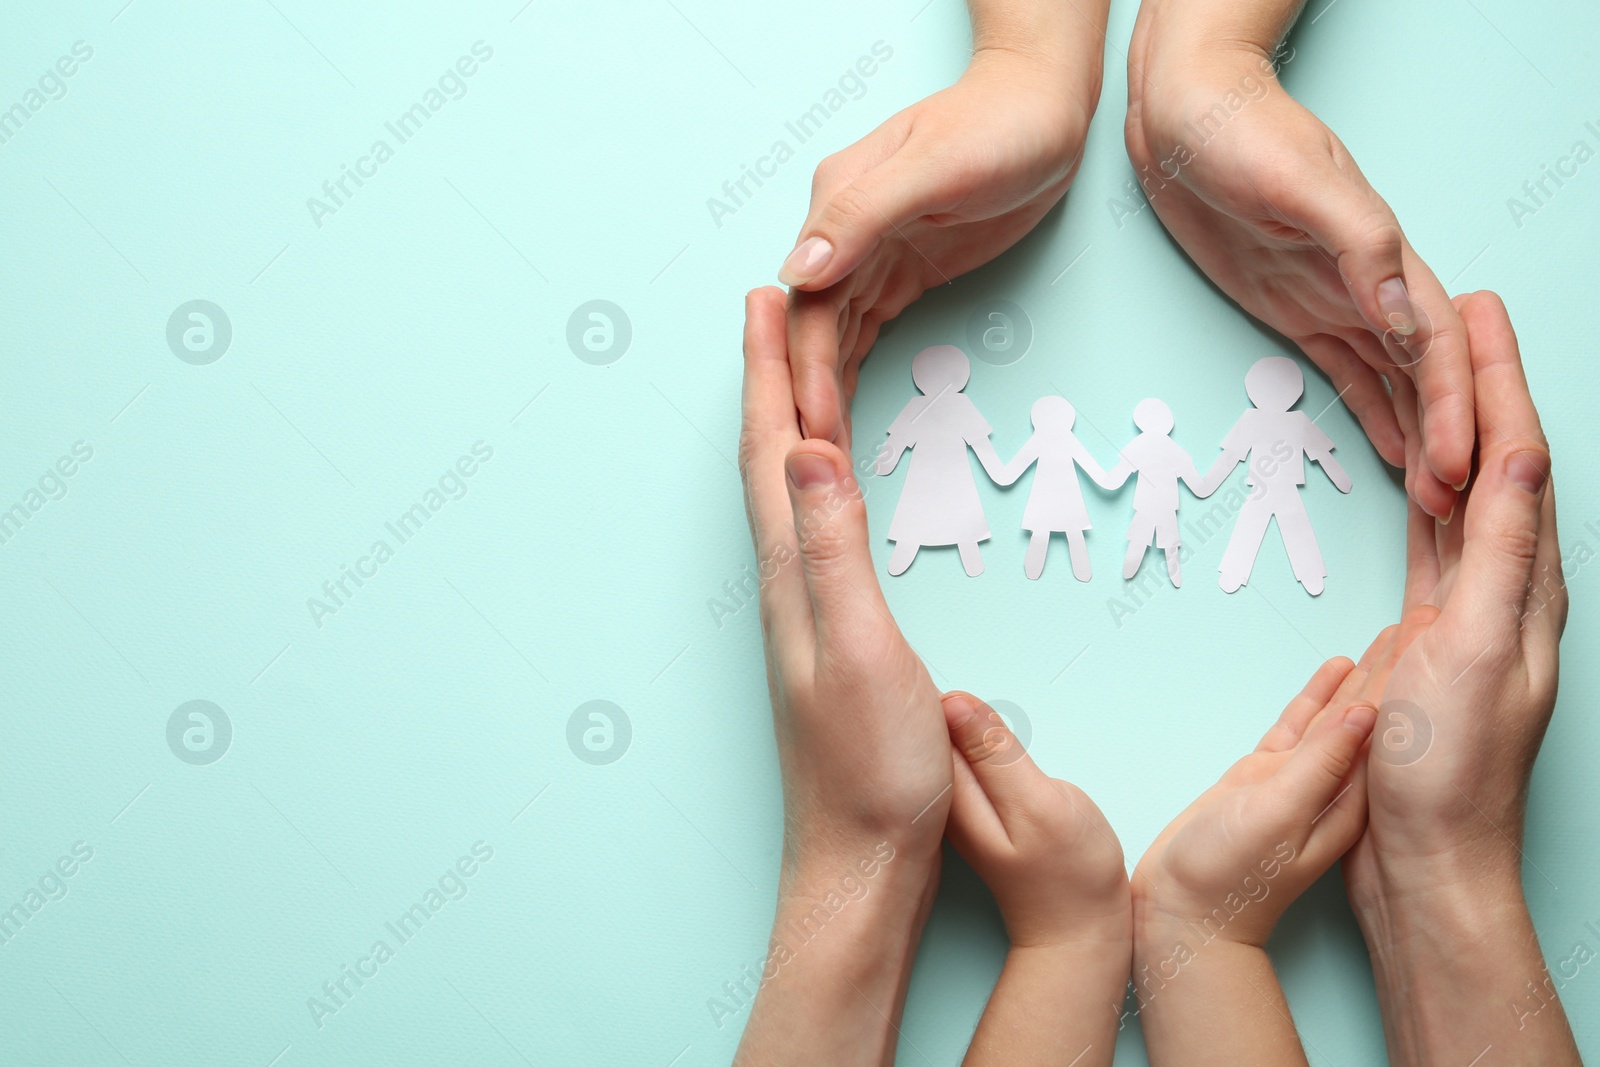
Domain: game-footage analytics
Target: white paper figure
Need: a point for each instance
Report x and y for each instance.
(1055, 500)
(939, 502)
(1159, 462)
(1276, 442)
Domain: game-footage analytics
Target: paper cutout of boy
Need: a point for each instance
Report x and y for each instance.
(1159, 462)
(1275, 441)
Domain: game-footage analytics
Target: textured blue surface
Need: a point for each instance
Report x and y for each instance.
(416, 726)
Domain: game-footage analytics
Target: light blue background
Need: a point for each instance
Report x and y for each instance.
(429, 312)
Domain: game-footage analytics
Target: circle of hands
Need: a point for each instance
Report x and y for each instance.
(879, 766)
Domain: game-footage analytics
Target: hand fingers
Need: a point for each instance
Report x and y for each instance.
(830, 523)
(1361, 389)
(1502, 528)
(1291, 725)
(1422, 558)
(1442, 370)
(1381, 666)
(859, 212)
(1422, 485)
(972, 826)
(1313, 776)
(1012, 783)
(814, 335)
(1356, 682)
(768, 432)
(1547, 606)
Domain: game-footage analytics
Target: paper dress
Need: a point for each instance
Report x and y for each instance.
(939, 502)
(1055, 499)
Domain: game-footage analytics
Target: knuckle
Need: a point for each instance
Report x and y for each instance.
(850, 208)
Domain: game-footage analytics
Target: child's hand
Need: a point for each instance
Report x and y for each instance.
(1055, 868)
(1046, 852)
(1232, 862)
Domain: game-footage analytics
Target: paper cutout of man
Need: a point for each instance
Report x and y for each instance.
(1274, 441)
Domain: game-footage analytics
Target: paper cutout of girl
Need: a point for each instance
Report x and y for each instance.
(1055, 500)
(939, 502)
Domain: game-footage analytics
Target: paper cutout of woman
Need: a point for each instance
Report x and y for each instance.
(939, 502)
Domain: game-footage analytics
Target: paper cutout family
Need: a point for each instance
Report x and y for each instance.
(939, 502)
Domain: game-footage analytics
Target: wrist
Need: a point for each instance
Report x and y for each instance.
(1172, 36)
(1458, 967)
(1049, 48)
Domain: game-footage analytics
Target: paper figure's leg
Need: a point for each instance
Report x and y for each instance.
(1167, 540)
(1138, 539)
(1038, 548)
(1240, 557)
(1135, 556)
(904, 552)
(1305, 557)
(1080, 555)
(971, 558)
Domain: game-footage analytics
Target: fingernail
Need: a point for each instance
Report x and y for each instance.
(805, 431)
(1449, 514)
(1463, 485)
(958, 708)
(1395, 304)
(1528, 470)
(1360, 719)
(808, 259)
(807, 470)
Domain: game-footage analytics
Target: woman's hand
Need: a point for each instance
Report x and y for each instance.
(1269, 203)
(940, 188)
(862, 744)
(1436, 879)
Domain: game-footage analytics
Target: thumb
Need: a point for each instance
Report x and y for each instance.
(830, 525)
(1315, 774)
(1504, 526)
(1348, 218)
(848, 223)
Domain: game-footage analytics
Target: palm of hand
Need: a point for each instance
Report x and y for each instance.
(891, 750)
(952, 182)
(1204, 854)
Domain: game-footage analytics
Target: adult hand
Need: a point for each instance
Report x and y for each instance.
(1270, 205)
(1468, 687)
(862, 742)
(940, 188)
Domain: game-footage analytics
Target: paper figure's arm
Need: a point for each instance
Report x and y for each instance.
(1332, 469)
(997, 469)
(1118, 475)
(889, 454)
(1224, 464)
(890, 451)
(1010, 472)
(1102, 477)
(1200, 487)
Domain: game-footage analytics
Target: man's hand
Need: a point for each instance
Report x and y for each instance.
(1269, 203)
(1468, 689)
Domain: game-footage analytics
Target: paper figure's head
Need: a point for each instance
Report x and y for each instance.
(1274, 383)
(1153, 416)
(940, 369)
(1053, 413)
